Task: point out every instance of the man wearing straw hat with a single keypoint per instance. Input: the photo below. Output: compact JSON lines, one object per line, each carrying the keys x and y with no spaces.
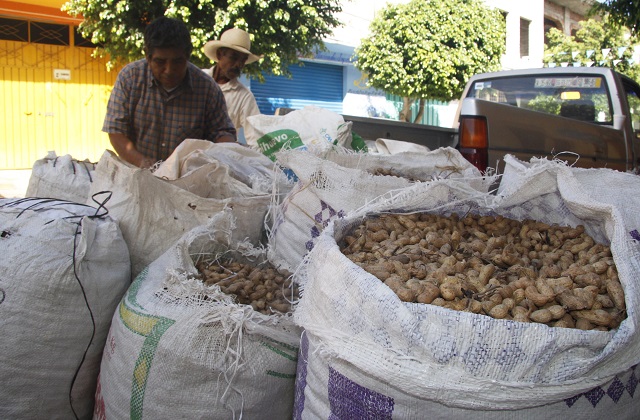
{"x":230,"y":54}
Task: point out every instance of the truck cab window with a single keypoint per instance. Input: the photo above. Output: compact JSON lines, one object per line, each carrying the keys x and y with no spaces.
{"x":573,"y":96}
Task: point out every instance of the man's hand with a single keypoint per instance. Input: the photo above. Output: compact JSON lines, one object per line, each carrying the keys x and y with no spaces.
{"x":147,"y":163}
{"x":128,"y":152}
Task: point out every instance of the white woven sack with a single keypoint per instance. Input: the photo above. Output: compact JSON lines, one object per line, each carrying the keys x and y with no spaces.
{"x":340,"y":382}
{"x":212,"y":180}
{"x":61,"y":177}
{"x":249,"y":172}
{"x":180,"y":349}
{"x":154,"y":213}
{"x":609,"y":186}
{"x":427,"y":354}
{"x":310,"y":126}
{"x":442,"y":163}
{"x":620,"y":190}
{"x":393,"y":147}
{"x":62,"y":272}
{"x":331,"y":186}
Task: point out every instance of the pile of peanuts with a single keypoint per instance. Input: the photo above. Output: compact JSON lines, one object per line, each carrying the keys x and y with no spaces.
{"x":265,"y":288}
{"x":525,"y":271}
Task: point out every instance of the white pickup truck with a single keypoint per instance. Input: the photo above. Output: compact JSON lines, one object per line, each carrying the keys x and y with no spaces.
{"x":587,"y":116}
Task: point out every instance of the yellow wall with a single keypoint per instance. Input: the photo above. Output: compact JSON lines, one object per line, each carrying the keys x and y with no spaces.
{"x":39,"y":113}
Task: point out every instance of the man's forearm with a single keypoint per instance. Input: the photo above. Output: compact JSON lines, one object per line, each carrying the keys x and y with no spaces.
{"x":127,"y":151}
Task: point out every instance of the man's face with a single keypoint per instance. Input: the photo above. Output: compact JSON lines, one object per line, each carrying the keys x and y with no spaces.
{"x":168,"y":65}
{"x":230,"y":62}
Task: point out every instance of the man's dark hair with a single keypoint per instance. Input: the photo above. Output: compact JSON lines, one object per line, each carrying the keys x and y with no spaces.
{"x":165,"y":32}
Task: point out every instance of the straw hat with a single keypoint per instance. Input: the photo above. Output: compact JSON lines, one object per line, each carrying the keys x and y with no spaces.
{"x":234,"y":38}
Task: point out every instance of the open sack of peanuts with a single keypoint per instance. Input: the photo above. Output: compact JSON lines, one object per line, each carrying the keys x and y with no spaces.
{"x":337,"y":182}
{"x":205,"y":331}
{"x":440,"y":301}
{"x":154,"y":212}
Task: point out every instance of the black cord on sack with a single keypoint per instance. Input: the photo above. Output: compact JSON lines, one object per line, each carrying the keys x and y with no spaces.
{"x":43,"y":204}
{"x":101,"y":204}
{"x":37,"y":204}
{"x":98,"y":214}
{"x":89,"y":172}
{"x":93,"y":321}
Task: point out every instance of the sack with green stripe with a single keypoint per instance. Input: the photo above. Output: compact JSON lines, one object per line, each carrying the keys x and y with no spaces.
{"x":180,"y":348}
{"x":309,"y":128}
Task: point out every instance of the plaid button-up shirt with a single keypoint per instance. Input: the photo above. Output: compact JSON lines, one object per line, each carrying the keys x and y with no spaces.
{"x":158,"y":121}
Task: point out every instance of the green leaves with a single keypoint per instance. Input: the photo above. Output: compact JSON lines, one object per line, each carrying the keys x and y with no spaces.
{"x":282,"y":30}
{"x":590,"y":44}
{"x":622,"y":12}
{"x":429,"y":49}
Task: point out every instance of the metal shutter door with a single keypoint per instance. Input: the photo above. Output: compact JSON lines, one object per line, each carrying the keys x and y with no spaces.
{"x":311,"y":84}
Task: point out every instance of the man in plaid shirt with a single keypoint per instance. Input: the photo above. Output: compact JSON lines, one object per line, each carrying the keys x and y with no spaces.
{"x":163,"y":99}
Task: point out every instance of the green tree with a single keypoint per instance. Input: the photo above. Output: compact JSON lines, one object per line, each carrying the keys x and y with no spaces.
{"x":429,"y":49}
{"x":623,"y":12}
{"x":586,"y":47}
{"x":282,"y":31}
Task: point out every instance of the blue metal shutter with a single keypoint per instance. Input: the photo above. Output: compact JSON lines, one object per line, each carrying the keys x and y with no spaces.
{"x":311,"y":84}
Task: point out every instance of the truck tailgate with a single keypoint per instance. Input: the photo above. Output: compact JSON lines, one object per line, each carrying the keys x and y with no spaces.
{"x":525,"y":134}
{"x":430,"y":136}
